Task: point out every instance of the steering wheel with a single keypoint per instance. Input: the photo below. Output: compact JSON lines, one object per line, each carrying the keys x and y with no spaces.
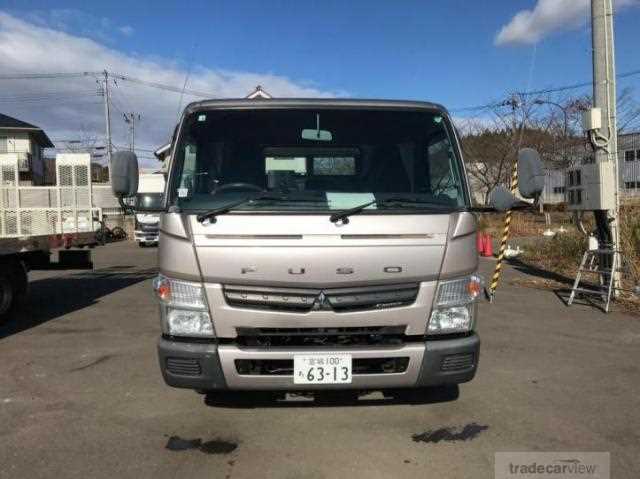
{"x":237,"y":186}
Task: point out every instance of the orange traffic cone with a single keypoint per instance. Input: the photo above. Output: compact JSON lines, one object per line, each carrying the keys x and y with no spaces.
{"x":488,"y":245}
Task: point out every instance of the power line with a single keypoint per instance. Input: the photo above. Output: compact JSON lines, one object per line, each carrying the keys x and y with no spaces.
{"x":544,"y":91}
{"x":39,"y":94}
{"x":163,"y":86}
{"x":122,"y":96}
{"x":38,"y":76}
{"x":203,"y":94}
{"x":144,"y":150}
{"x":51,"y":99}
{"x":130,"y":119}
{"x":116,"y":104}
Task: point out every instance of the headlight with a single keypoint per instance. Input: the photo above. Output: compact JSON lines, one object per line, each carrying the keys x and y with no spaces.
{"x":188,"y":322}
{"x":453,"y":309}
{"x":183,"y":308}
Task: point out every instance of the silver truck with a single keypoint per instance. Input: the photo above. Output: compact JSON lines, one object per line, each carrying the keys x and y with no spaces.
{"x":313,"y":244}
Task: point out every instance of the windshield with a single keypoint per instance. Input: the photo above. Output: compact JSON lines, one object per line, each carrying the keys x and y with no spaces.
{"x":148,"y":200}
{"x":316,"y":160}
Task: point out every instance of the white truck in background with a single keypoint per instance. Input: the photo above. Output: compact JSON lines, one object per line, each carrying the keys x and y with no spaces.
{"x":147,"y":225}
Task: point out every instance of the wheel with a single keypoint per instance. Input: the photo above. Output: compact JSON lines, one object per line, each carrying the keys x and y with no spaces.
{"x":118,"y":233}
{"x":142,"y":244}
{"x":100,"y":239}
{"x":14,"y":287}
{"x":7,"y":295}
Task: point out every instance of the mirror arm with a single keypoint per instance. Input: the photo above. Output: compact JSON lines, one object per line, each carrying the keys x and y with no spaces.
{"x":522,"y":205}
{"x":127,"y":210}
{"x":481,"y":209}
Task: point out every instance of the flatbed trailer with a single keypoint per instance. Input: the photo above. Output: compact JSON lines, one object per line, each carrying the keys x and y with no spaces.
{"x":36,"y":220}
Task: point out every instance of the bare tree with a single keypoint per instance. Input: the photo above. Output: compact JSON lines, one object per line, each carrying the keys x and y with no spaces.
{"x":491,"y":143}
{"x":550,"y":124}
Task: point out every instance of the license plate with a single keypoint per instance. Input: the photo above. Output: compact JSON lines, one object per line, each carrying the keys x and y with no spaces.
{"x":322,"y":369}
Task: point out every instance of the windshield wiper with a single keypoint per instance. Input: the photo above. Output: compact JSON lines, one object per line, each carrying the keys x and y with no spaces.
{"x":211,"y":214}
{"x":344,"y":215}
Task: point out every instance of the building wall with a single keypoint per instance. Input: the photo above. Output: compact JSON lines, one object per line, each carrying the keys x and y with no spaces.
{"x":628,"y":171}
{"x":17,"y":141}
{"x":555,"y":180}
{"x":37,"y":164}
{"x":21,"y":144}
{"x":629,"y":164}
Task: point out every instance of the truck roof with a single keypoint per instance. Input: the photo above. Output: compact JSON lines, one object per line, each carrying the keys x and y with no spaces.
{"x":324,"y":103}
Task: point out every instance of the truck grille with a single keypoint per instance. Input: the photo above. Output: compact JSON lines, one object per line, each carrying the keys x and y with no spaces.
{"x":333,"y":299}
{"x":284,"y":367}
{"x":148,"y":227}
{"x":349,"y":336}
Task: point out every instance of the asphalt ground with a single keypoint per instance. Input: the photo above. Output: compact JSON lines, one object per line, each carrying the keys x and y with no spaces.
{"x":81,"y":394}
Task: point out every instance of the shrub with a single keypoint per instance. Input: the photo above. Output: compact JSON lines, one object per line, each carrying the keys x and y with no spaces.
{"x":562,"y":253}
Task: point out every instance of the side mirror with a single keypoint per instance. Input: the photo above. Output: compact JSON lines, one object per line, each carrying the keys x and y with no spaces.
{"x":501,"y":199}
{"x":530,"y":173}
{"x":124,"y":174}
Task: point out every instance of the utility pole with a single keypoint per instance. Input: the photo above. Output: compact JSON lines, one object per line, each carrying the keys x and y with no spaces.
{"x":107,"y":113}
{"x":605,"y":139}
{"x":130,"y":118}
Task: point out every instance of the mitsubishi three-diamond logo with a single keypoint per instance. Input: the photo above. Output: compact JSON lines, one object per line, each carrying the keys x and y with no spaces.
{"x":321,"y":303}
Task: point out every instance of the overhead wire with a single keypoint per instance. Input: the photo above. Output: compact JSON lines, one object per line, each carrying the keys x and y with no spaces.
{"x":162,"y":86}
{"x":543,"y":91}
{"x":203,"y":94}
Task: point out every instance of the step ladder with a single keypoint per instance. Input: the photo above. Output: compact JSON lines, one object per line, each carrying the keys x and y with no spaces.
{"x":590,"y":264}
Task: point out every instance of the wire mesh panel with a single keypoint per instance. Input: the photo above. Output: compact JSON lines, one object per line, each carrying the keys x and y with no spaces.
{"x":65,"y":175}
{"x":8,"y":198}
{"x":81,"y":175}
{"x":47,"y":210}
{"x":8,"y":222}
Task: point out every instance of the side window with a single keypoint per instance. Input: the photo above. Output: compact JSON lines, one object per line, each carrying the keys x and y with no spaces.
{"x":295,"y":164}
{"x":189,"y":168}
{"x":442,"y":169}
{"x":334,"y":166}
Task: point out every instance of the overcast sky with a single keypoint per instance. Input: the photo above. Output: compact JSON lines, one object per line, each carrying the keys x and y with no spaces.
{"x":458,"y":53}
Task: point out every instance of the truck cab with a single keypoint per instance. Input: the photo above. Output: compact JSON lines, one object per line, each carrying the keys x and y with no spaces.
{"x":316,"y":244}
{"x":147,"y":224}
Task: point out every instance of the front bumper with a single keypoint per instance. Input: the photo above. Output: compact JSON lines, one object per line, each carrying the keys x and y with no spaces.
{"x":146,"y":232}
{"x":209,"y":366}
{"x":146,"y":236}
